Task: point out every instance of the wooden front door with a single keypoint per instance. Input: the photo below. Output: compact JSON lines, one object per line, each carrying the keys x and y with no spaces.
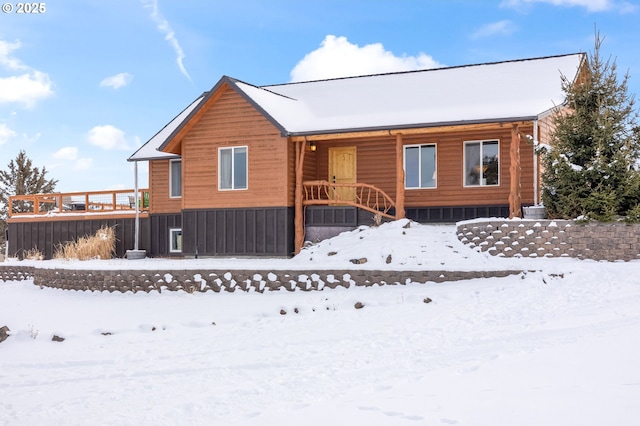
{"x":342,"y":169}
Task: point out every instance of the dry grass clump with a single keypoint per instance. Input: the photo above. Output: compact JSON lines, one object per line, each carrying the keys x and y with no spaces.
{"x":102,"y":245}
{"x":33,"y":254}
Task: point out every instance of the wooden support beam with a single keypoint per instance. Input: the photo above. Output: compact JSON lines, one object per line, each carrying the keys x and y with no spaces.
{"x":414,"y":131}
{"x":515,"y":195}
{"x":298,"y":221}
{"x":400,"y":213}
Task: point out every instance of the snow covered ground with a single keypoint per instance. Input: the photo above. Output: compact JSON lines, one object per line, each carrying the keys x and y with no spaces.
{"x":558,"y":346}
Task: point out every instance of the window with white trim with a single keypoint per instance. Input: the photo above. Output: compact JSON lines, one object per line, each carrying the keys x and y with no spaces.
{"x":232,"y":168}
{"x":175,"y":178}
{"x":420,"y":169}
{"x":175,"y":240}
{"x":482,"y":163}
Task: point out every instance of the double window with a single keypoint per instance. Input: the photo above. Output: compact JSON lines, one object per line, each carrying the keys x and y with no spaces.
{"x":481,"y":163}
{"x":420,"y":166}
{"x":175,"y":178}
{"x":232,"y":168}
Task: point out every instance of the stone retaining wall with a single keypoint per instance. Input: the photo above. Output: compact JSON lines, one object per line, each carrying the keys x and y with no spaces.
{"x":553,"y":238}
{"x":227,"y":280}
{"x":15,"y":272}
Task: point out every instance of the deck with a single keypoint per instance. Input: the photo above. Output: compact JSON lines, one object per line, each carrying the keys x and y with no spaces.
{"x":63,"y":205}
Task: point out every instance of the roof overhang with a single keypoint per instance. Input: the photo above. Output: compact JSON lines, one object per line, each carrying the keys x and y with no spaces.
{"x":424,"y":128}
{"x":150,"y":150}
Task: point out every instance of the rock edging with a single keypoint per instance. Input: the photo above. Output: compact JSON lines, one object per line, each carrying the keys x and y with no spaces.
{"x":203,"y":280}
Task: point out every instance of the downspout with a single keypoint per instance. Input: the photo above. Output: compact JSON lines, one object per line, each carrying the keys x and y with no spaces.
{"x":535,"y":162}
{"x":136,"y":200}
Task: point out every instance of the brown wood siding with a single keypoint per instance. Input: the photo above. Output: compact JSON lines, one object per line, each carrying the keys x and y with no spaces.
{"x":309,"y":172}
{"x":230,"y":122}
{"x":375,"y":161}
{"x":376,"y":166}
{"x":546,"y":127}
{"x":450,"y":189}
{"x":160,"y":202}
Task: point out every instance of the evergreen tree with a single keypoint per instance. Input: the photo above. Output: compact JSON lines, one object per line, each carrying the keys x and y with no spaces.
{"x":21,"y":178}
{"x":591,"y":168}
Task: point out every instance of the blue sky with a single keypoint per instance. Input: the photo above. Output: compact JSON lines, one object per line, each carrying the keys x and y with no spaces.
{"x":85,"y":83}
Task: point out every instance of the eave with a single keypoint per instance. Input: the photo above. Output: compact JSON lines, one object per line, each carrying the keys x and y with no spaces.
{"x":424,"y":128}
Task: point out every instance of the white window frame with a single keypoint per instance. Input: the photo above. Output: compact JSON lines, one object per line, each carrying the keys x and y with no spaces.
{"x":173,"y":249}
{"x":233,"y":165}
{"x":171,"y":163}
{"x":435,"y":171}
{"x":464,"y":163}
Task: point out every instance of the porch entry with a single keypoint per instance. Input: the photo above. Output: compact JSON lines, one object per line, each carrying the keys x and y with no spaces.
{"x":342,"y":169}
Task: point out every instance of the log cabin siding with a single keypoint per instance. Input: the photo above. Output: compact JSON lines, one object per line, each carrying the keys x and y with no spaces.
{"x":375,"y":161}
{"x":546,"y":127}
{"x":309,"y":171}
{"x":450,"y":190}
{"x":160,"y":202}
{"x":376,"y":166}
{"x":231,"y":122}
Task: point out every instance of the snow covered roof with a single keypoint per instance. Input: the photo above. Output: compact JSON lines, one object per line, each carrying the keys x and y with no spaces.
{"x":491,"y":92}
{"x":150,"y":150}
{"x":511,"y":90}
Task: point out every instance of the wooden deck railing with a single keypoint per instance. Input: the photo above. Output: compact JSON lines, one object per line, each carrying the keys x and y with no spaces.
{"x":362,"y":195}
{"x":78,"y":202}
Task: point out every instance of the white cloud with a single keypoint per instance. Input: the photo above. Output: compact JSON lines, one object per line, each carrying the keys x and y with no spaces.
{"x":117,"y":81}
{"x":66,"y":153}
{"x":163,"y":26}
{"x":25,"y":88}
{"x":504,"y":27}
{"x":8,"y":61}
{"x":337,"y":57}
{"x":108,"y":137}
{"x":6,"y":134}
{"x":70,"y":153}
{"x":83,"y":164}
{"x":590,"y":5}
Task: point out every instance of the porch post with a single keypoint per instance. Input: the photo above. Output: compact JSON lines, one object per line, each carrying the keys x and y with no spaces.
{"x":301,"y":147}
{"x":514,"y":174}
{"x":400,"y":213}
